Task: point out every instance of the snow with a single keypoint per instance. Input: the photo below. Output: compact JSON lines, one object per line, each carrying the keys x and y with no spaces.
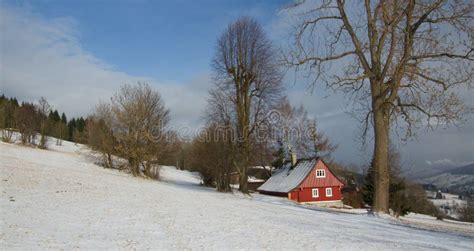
{"x":255,"y":179}
{"x":59,"y":199}
{"x":287,"y":178}
{"x":450,"y":204}
{"x":456,"y":183}
{"x":432,"y":222}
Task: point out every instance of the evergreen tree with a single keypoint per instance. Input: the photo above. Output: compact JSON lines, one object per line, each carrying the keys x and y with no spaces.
{"x":14,"y":101}
{"x":398,"y":201}
{"x":368,"y":189}
{"x":63,"y":118}
{"x":50,"y":115}
{"x":81,"y":124}
{"x":279,"y":155}
{"x":71,"y":127}
{"x":56,"y":117}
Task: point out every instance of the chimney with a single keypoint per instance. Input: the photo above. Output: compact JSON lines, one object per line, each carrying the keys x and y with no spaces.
{"x":293,"y":159}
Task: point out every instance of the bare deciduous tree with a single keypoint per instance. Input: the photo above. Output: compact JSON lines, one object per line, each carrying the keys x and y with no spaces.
{"x":100,"y":134}
{"x":246,"y":75}
{"x":43,"y":109}
{"x":211,"y":155}
{"x":467,"y":212}
{"x":297,"y":130}
{"x":7,"y":112}
{"x":139,"y":121}
{"x":26,"y":121}
{"x":404,"y":59}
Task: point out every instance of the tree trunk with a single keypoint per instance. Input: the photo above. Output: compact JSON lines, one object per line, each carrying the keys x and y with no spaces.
{"x":108,"y":160}
{"x":148,"y":171}
{"x":134,"y":166}
{"x":243,"y":180}
{"x":381,"y":170}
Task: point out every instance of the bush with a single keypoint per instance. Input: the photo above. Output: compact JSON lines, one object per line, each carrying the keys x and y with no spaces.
{"x":408,"y":197}
{"x":467,"y":212}
{"x":211,"y":156}
{"x":353,"y":199}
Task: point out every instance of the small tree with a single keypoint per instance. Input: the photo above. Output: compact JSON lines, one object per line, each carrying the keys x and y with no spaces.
{"x":100,"y":135}
{"x":467,"y":212}
{"x":43,"y":109}
{"x":211,"y":155}
{"x":7,"y":112}
{"x":71,"y":126}
{"x":298,"y":131}
{"x":279,"y":155}
{"x":62,"y":129}
{"x":404,"y":196}
{"x":79,"y":132}
{"x":368,"y":188}
{"x":26,"y":121}
{"x":139,"y":123}
{"x":394,"y":168}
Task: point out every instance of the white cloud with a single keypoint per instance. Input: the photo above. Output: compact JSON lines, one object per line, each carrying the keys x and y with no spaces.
{"x":444,"y":161}
{"x":44,"y":57}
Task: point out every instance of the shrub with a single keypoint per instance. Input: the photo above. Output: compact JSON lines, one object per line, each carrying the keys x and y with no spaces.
{"x":467,"y":212}
{"x":353,"y":199}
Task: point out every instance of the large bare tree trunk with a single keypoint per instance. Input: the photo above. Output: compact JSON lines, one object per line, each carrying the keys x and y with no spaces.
{"x":246,"y":72}
{"x":243,"y":182}
{"x":382,"y":172}
{"x":415,"y":54}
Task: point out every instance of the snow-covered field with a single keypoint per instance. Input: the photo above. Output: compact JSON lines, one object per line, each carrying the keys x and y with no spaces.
{"x":450,"y":204}
{"x":58,"y":199}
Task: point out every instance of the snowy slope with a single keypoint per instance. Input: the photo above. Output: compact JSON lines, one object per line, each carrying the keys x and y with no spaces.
{"x":458,"y":180}
{"x":456,"y":183}
{"x":58,"y":199}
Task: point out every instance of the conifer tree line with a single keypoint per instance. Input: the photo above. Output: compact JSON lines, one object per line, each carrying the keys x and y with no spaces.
{"x":30,"y":119}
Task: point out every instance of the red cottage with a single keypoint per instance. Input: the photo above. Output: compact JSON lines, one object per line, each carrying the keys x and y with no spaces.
{"x":306,"y":181}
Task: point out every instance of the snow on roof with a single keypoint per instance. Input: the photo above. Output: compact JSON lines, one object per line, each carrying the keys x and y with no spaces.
{"x":286,"y":179}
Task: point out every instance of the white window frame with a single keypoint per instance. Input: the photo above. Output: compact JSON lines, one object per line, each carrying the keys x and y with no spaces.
{"x":317,"y":192}
{"x":330,"y":192}
{"x":320,"y":173}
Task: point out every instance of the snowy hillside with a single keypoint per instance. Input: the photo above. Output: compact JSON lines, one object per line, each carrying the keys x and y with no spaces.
{"x":458,"y":180}
{"x":59,"y":199}
{"x":455,"y":183}
{"x":449,"y":204}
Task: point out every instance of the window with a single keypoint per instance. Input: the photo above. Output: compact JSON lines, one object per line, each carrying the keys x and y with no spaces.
{"x":328,"y":192}
{"x":320,"y":173}
{"x":315,"y":193}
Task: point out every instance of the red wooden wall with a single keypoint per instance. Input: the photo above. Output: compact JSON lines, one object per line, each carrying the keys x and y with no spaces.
{"x":306,"y":195}
{"x":304,"y":192}
{"x":328,"y":181}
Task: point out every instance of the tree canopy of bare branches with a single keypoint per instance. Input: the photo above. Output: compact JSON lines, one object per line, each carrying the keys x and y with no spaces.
{"x":405,"y":59}
{"x":139,"y":119}
{"x":296,"y":130}
{"x":43,"y":108}
{"x":100,"y":133}
{"x":247,"y":82}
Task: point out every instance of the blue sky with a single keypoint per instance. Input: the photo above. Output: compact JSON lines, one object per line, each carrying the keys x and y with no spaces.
{"x":167,"y":40}
{"x":76,"y":53}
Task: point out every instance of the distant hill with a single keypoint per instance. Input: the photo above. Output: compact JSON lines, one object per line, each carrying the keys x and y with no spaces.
{"x":468,"y":170}
{"x":458,"y":180}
